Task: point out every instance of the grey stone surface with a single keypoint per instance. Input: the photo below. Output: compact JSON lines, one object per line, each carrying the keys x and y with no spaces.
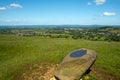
{"x":73,"y":68}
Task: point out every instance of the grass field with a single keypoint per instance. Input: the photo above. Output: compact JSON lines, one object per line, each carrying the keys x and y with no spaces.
{"x":17,"y":52}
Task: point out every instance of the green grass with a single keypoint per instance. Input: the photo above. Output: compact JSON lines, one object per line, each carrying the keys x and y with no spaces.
{"x":16,"y":52}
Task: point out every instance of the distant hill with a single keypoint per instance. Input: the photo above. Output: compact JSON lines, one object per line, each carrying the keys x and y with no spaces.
{"x":52,"y":26}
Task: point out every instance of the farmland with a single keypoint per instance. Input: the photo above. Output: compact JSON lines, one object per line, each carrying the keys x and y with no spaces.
{"x":18,"y":52}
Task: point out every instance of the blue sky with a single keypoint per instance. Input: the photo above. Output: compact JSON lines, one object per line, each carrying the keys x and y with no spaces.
{"x":59,"y":12}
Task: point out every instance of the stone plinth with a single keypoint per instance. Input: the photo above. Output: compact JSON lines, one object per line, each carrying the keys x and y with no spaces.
{"x":75,"y":64}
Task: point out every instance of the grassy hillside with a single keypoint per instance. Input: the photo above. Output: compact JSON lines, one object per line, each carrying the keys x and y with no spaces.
{"x":17,"y":52}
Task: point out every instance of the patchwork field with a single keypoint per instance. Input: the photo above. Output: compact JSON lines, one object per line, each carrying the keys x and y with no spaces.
{"x":18,"y":53}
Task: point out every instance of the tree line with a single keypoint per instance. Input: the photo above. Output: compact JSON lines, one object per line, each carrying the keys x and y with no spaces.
{"x":95,"y":34}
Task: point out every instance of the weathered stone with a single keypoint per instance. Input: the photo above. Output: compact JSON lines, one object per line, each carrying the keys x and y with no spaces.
{"x":75,"y":64}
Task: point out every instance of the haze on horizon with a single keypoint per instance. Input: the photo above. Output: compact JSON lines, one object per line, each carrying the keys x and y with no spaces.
{"x":59,"y":12}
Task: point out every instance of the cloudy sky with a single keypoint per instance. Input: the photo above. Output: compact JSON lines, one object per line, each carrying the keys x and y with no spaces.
{"x":52,"y":12}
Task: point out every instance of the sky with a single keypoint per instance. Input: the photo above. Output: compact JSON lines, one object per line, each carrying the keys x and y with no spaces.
{"x":59,"y":12}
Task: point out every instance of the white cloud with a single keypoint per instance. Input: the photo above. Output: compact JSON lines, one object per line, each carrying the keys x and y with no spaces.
{"x":89,"y":3}
{"x":99,"y":2}
{"x":3,"y":8}
{"x":11,"y":6}
{"x":15,"y":5}
{"x":109,"y":14}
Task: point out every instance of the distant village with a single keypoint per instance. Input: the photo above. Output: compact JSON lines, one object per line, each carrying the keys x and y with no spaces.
{"x":88,"y":33}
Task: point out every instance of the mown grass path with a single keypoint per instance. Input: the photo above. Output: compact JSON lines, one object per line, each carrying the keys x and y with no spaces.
{"x":17,"y":52}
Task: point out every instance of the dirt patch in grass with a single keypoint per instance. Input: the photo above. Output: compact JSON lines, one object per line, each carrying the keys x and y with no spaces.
{"x":44,"y":71}
{"x":101,"y":74}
